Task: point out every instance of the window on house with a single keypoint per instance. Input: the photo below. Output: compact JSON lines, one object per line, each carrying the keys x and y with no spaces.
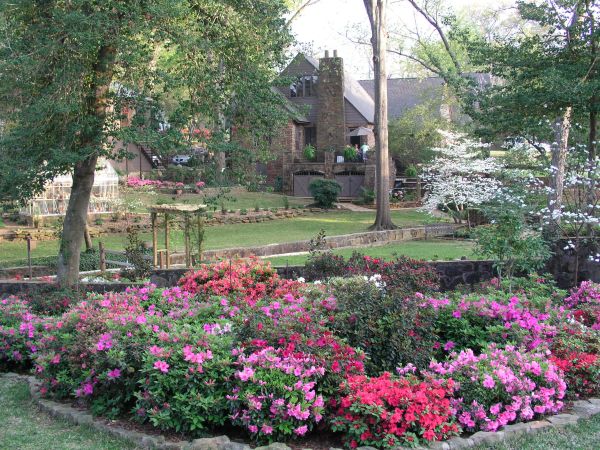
{"x":303,"y":87}
{"x":308,"y":86}
{"x":310,"y":136}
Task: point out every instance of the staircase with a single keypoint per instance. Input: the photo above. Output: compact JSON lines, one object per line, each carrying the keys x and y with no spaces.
{"x":154,"y":159}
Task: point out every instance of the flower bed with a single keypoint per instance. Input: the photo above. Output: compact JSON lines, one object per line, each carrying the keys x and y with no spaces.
{"x":139,"y":183}
{"x":235,"y":345}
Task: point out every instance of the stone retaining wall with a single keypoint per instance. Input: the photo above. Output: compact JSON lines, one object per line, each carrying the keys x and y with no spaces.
{"x":452,"y":273}
{"x":469,"y":272}
{"x":581,"y":409}
{"x":11,"y":287}
{"x":366,"y":239}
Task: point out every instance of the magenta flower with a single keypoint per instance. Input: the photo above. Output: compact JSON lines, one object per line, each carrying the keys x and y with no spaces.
{"x":155,"y":350}
{"x":449,"y":346}
{"x":141,"y":319}
{"x":245,"y":374}
{"x":88,"y":389}
{"x":301,"y":431}
{"x":488,"y":382}
{"x":105,"y":342}
{"x":162,"y":366}
{"x":114,"y":374}
{"x":266,"y":429}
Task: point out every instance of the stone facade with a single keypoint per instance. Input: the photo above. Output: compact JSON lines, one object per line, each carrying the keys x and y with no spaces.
{"x":331,"y":114}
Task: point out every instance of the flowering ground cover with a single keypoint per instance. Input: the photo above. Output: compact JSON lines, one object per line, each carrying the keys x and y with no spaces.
{"x":379,"y":357}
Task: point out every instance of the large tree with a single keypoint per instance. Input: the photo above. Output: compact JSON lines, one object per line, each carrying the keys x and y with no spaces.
{"x":549,"y":82}
{"x":66,"y":69}
{"x":377,"y":12}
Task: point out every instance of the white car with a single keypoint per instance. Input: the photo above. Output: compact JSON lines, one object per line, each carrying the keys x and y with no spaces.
{"x":181,"y":159}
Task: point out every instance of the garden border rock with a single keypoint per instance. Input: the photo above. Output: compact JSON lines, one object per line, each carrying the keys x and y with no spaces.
{"x":582,"y":409}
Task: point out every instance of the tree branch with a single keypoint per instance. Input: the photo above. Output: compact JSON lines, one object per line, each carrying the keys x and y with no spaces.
{"x":435,"y":24}
{"x":401,"y":54}
{"x":300,"y":9}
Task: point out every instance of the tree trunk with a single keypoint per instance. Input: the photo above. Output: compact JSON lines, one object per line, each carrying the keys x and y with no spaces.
{"x":88,"y":237}
{"x":591,"y":200}
{"x":377,"y":12}
{"x":75,"y":223}
{"x":559,"y":157}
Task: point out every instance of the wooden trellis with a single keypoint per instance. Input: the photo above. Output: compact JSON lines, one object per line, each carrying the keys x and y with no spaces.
{"x":191,"y":216}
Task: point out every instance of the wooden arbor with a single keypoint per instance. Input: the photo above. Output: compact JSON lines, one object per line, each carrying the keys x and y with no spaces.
{"x":190,"y":216}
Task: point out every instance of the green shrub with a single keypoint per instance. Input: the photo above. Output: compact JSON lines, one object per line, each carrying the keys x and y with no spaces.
{"x":325,"y":192}
{"x":309,"y":152}
{"x":324,"y":264}
{"x":99,"y":221}
{"x":243,"y":212}
{"x":367,"y":196}
{"x":286,"y":202}
{"x":411,"y":171}
{"x":391,"y":330}
{"x":136,"y":255}
{"x":256,"y":207}
{"x":51,"y":300}
{"x":350,"y":153}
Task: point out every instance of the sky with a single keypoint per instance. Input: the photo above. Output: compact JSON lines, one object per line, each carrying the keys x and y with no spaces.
{"x":324,"y":25}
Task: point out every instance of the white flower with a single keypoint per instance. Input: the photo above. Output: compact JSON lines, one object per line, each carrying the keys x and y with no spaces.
{"x":301,"y":280}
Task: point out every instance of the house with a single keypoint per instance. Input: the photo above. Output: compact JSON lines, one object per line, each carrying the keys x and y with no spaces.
{"x":328,"y":106}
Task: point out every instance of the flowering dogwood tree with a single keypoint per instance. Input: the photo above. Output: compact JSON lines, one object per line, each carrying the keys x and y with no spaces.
{"x":577,"y":218}
{"x":460,"y":178}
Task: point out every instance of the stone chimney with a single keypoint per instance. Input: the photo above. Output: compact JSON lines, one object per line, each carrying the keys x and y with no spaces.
{"x":331,"y":117}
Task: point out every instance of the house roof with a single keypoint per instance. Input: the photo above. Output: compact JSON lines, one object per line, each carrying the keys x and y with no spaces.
{"x":406,"y":93}
{"x":354,"y":93}
{"x":295,"y":114}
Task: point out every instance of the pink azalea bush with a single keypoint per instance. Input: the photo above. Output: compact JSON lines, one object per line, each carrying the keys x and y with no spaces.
{"x":274,"y":393}
{"x":245,"y":281}
{"x":473,"y":322}
{"x":584,"y":301}
{"x":235,"y":345}
{"x":21,"y":333}
{"x":502,"y":386}
{"x":141,"y":349}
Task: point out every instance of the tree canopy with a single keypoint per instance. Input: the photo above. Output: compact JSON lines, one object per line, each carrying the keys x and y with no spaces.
{"x":68,"y":70}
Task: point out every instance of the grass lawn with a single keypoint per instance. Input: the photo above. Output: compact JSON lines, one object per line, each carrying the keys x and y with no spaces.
{"x":435,"y":249}
{"x":583,"y":436}
{"x":139,"y":200}
{"x":25,"y":427}
{"x":244,"y":235}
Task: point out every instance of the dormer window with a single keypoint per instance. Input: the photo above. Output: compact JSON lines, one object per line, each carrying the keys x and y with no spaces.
{"x":304,"y":86}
